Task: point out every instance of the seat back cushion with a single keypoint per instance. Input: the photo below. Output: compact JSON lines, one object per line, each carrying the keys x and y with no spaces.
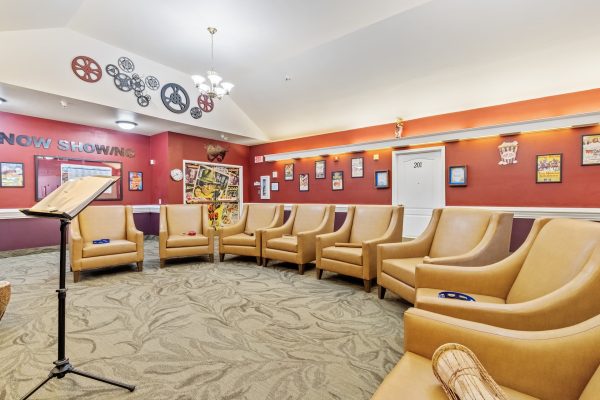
{"x":370,"y":222}
{"x":183,"y":218}
{"x":308,"y":217}
{"x":102,"y":222}
{"x":458,"y":231}
{"x":259,"y":216}
{"x":559,"y":252}
{"x":592,"y":389}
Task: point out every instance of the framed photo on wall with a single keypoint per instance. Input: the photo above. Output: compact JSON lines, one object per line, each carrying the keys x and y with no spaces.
{"x":265,"y":187}
{"x":548,"y":168}
{"x":590,"y":150}
{"x":274,"y":186}
{"x":11,"y":175}
{"x":358,"y":168}
{"x":320,"y":169}
{"x":382,"y":179}
{"x":457,"y":175}
{"x":288,"y":172}
{"x":136,"y":181}
{"x":303,"y":179}
{"x":337,"y":180}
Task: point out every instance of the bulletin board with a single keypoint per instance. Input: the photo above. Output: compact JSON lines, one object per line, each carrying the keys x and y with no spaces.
{"x":219,"y":186}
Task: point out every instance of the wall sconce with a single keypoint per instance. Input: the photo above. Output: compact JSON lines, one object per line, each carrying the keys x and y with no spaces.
{"x":336,"y":159}
{"x":152,"y":162}
{"x":376,"y":157}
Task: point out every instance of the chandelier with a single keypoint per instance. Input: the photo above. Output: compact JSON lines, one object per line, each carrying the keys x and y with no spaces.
{"x":214,"y":87}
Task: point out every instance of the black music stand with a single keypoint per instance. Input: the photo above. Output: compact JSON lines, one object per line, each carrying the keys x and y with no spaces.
{"x":65,"y":203}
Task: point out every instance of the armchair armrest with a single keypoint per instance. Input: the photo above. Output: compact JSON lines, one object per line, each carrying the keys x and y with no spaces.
{"x":307,"y":240}
{"x":75,"y":245}
{"x":163,"y":232}
{"x":279,"y":231}
{"x":233,"y":229}
{"x":342,"y":235}
{"x":133,"y":234}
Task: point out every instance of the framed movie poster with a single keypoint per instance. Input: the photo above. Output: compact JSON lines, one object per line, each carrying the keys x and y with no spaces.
{"x":11,"y":175}
{"x":288,"y":172}
{"x":457,"y":175}
{"x":320,"y":169}
{"x":303,"y":179}
{"x":548,"y":168}
{"x":337,"y":180}
{"x":274,"y":186}
{"x":590,"y":150}
{"x":136,"y":181}
{"x":357,"y":168}
{"x":265,"y":187}
{"x":382,"y":179}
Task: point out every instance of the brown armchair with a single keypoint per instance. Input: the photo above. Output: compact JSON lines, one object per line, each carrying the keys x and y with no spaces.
{"x":178,"y":219}
{"x":551,"y":281}
{"x":455,"y":236}
{"x":554,"y":364}
{"x":104,"y":222}
{"x":245,"y":237}
{"x":352,"y":249}
{"x":295,"y":240}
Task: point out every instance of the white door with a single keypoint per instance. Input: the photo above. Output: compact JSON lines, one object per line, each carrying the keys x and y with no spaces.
{"x":418,"y":183}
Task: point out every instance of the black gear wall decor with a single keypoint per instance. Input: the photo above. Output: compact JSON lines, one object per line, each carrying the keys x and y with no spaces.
{"x":152,"y":83}
{"x":175,"y":98}
{"x":112,"y":70}
{"x":123,"y":82}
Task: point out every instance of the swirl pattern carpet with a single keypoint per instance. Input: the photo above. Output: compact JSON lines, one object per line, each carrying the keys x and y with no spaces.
{"x":197,"y":330}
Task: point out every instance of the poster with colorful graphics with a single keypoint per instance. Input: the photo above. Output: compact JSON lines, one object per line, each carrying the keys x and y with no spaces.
{"x":549,"y":168}
{"x":590,"y":150}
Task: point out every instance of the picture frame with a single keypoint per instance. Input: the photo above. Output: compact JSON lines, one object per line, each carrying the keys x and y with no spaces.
{"x":288,"y":172}
{"x":382,"y":179}
{"x":265,"y":187}
{"x":590,"y":150}
{"x":548,"y":168}
{"x":12,"y":175}
{"x":320,"y":169}
{"x":303,"y":182}
{"x":357,"y":167}
{"x":337,"y":180}
{"x":274,"y":186}
{"x":457,"y":175}
{"x":136,"y":181}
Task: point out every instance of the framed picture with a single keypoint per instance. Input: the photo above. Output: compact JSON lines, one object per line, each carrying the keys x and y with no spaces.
{"x":320,"y":169}
{"x":274,"y":186}
{"x":303,"y":179}
{"x":288,"y":172}
{"x":382,"y":179}
{"x":337,"y":180}
{"x":457,"y":175}
{"x":357,"y":168}
{"x":590,"y":150}
{"x":136,"y":181}
{"x":11,"y":175}
{"x":265,"y":187}
{"x":548,"y":168}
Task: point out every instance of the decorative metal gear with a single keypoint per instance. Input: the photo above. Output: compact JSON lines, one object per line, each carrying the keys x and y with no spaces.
{"x":86,"y":69}
{"x":152,"y":83}
{"x":123,"y":82}
{"x":175,"y":98}
{"x":143,"y":101}
{"x":196,"y":112}
{"x":112,"y":70}
{"x":205,"y":103}
{"x":126,"y":64}
{"x":138,"y":84}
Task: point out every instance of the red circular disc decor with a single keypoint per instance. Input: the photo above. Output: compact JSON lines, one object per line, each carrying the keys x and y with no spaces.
{"x":205,"y":103}
{"x":86,"y":69}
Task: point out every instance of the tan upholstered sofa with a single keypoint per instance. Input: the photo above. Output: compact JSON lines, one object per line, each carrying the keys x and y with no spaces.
{"x":104,"y":222}
{"x":295,"y":240}
{"x":551,"y":281}
{"x":244,"y":238}
{"x":352,"y":249}
{"x":176,"y":220}
{"x":550,"y":365}
{"x":454,"y":236}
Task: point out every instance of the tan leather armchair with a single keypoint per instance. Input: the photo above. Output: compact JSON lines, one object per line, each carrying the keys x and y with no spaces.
{"x":245,"y":237}
{"x":104,"y":222}
{"x":551,"y":281}
{"x":295,"y":240}
{"x":352,"y":249}
{"x":178,"y":219}
{"x":554,"y":364}
{"x":455,"y":236}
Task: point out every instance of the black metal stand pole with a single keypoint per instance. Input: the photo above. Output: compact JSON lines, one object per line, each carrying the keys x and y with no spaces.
{"x":62,"y":366}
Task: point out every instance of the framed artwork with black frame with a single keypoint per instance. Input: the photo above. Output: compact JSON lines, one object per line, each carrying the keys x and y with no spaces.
{"x":12,"y":175}
{"x":357,"y":168}
{"x":288,"y":172}
{"x":457,"y":175}
{"x":303,"y":182}
{"x":590,"y":150}
{"x":320,"y":169}
{"x":136,"y":181}
{"x":548,"y":168}
{"x":382,"y":179}
{"x":337,"y":180}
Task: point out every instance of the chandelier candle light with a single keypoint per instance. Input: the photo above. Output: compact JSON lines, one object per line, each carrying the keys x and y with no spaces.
{"x":215,"y":87}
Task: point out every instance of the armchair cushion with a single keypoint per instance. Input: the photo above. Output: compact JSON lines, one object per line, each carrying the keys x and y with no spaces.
{"x":102,"y":223}
{"x":350,"y":255}
{"x":186,"y":241}
{"x":458,"y":231}
{"x":114,"y":247}
{"x":370,"y":223}
{"x":183,"y":218}
{"x":240,"y":239}
{"x":285,"y":243}
{"x":308,"y":217}
{"x":402,"y":268}
{"x":260,"y":216}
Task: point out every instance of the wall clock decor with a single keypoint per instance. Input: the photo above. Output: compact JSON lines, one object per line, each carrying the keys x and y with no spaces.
{"x":175,"y":98}
{"x":86,"y":69}
{"x":176,"y":174}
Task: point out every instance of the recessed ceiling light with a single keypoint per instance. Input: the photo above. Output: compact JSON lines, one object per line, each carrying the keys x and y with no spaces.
{"x":2,"y":100}
{"x":127,"y":125}
{"x":64,"y":104}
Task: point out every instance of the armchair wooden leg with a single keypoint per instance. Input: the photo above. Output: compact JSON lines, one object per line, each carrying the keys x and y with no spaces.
{"x":258,"y":260}
{"x":367,"y":283}
{"x":301,"y":269}
{"x":140,"y":266}
{"x":221,"y":257}
{"x":319,"y":273}
{"x":265,"y":261}
{"x":162,"y":262}
{"x":211,"y":258}
{"x":76,"y":276}
{"x":380,"y":292}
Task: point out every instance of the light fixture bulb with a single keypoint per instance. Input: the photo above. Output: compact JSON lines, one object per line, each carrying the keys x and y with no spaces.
{"x":127,"y":125}
{"x":204,"y":87}
{"x":220,"y":91}
{"x":198,"y":79}
{"x":227,"y":86}
{"x":214,"y":78}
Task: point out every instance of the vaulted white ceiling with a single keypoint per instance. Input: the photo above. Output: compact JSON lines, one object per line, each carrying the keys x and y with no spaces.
{"x":352,"y":63}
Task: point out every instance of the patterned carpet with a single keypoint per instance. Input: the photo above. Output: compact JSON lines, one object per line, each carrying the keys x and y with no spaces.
{"x":197,"y":330}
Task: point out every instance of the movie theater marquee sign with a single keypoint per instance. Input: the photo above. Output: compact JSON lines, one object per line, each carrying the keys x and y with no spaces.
{"x":40,"y":142}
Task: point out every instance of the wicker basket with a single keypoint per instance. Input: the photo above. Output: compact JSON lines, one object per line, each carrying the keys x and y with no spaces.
{"x":462,"y":376}
{"x":4,"y":296}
